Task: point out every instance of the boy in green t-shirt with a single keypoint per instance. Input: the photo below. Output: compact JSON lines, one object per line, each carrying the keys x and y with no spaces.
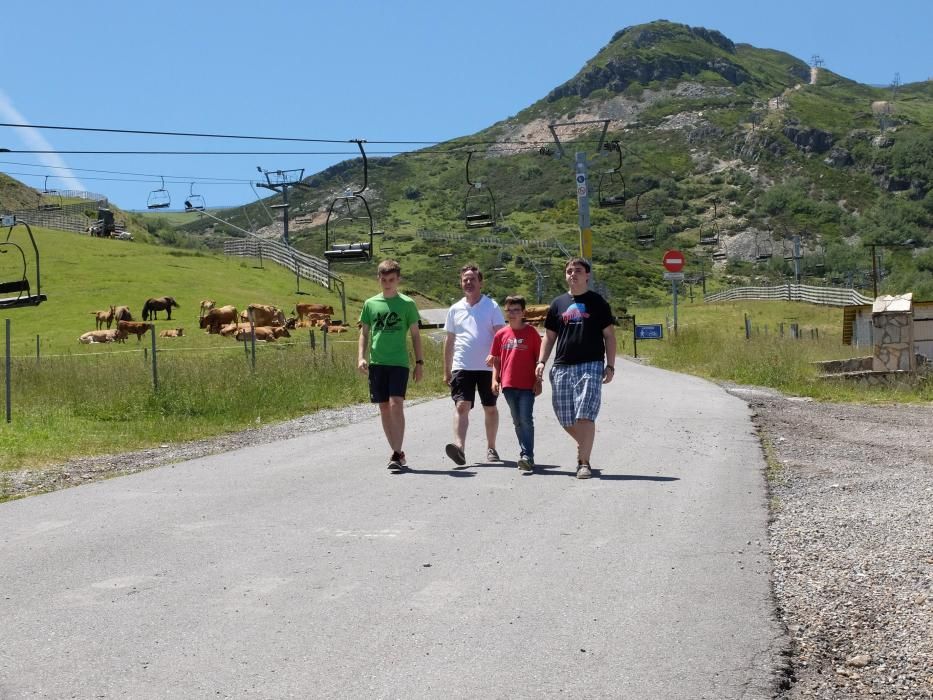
{"x":384,"y":321}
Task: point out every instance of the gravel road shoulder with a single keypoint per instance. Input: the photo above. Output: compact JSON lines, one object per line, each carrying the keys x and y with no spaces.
{"x":851,"y":540}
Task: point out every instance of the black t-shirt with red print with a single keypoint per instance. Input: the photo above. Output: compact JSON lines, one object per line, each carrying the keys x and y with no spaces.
{"x":579,"y":321}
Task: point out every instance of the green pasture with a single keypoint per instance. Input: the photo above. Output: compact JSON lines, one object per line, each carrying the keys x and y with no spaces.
{"x":711,"y":342}
{"x":81,"y":275}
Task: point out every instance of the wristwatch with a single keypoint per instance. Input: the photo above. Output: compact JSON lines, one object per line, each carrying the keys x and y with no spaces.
{"x":419,"y":362}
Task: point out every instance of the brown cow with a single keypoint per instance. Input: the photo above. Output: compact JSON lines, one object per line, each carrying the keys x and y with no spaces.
{"x":134,"y":327}
{"x":263,"y":333}
{"x":263,"y":315}
{"x":122,"y":313}
{"x":233,"y":328}
{"x":302,"y":310}
{"x":102,"y":317}
{"x":172,"y":333}
{"x":101,"y":336}
{"x":335,"y":329}
{"x":215,"y":319}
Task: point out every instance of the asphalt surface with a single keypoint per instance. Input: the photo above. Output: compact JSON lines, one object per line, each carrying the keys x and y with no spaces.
{"x":306,"y":569}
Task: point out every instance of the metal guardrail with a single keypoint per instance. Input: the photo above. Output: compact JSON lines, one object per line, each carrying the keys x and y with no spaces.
{"x":306,"y":266}
{"x":829,"y":296}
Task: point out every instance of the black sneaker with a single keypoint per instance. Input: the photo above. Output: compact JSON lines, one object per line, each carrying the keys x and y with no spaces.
{"x":583,"y":471}
{"x":395,"y":464}
{"x":456,"y":453}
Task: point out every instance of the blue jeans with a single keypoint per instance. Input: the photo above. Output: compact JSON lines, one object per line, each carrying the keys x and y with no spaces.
{"x":521,"y":404}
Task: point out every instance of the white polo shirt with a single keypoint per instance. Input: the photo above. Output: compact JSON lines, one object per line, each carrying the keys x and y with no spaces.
{"x":474,"y":328}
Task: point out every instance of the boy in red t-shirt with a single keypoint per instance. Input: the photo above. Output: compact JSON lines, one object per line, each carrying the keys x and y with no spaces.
{"x":514,"y":354}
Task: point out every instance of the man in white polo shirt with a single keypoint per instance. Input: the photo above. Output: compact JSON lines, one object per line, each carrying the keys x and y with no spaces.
{"x":471,"y":324}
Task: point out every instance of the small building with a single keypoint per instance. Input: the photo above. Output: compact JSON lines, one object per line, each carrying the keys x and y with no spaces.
{"x":897,"y":328}
{"x":432,"y":318}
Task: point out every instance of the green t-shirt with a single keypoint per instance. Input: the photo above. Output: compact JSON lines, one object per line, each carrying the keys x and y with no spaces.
{"x":388,"y":321}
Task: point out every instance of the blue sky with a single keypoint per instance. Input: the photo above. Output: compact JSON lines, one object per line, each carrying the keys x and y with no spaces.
{"x":390,"y":70}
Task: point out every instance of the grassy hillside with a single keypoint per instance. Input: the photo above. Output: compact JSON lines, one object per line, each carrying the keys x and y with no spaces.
{"x":715,"y":137}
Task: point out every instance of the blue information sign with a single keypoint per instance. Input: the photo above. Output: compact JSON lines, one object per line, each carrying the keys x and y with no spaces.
{"x":652,"y":332}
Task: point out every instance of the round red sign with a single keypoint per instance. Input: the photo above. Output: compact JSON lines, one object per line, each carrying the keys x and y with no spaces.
{"x":673,"y":261}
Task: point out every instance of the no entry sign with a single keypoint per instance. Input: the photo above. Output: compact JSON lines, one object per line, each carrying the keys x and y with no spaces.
{"x":673,"y":261}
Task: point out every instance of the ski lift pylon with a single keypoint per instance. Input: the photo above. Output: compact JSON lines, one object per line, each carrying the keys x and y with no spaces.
{"x":479,"y":204}
{"x":160,"y":198}
{"x":341,"y":211}
{"x":19,"y":284}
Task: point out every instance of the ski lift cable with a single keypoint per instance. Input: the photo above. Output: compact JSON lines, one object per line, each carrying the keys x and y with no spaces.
{"x":186,"y":178}
{"x":262,"y":203}
{"x":191,"y":134}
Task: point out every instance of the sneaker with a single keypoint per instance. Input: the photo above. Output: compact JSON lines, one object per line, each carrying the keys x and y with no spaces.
{"x":401,"y":459}
{"x":456,"y":454}
{"x":492,"y":455}
{"x":395,"y":464}
{"x":583,"y":471}
{"x":526,"y":464}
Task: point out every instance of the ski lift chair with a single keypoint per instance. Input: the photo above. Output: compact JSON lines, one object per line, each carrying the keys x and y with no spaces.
{"x":49,"y":200}
{"x":819,"y":259}
{"x":643,"y":235}
{"x":637,"y":214}
{"x":611,"y":187}
{"x":763,"y":249}
{"x":479,"y":204}
{"x":160,"y":198}
{"x":709,"y":235}
{"x":19,"y":285}
{"x":195,"y":202}
{"x":349,"y":210}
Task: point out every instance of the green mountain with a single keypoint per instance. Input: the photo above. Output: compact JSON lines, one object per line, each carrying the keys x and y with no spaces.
{"x":726,"y":151}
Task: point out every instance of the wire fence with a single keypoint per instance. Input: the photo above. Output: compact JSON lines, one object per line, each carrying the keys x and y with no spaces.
{"x":829,"y":296}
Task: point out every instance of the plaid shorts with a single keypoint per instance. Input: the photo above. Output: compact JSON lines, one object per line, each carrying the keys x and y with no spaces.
{"x":576,"y":391}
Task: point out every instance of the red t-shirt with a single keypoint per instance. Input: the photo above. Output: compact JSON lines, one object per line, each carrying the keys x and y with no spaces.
{"x":518,"y":354}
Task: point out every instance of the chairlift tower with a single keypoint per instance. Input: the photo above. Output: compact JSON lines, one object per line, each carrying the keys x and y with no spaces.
{"x":581,"y":167}
{"x":279,"y":181}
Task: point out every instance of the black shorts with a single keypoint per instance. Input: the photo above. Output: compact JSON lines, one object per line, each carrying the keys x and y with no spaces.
{"x":464,"y":383}
{"x":386,"y":381}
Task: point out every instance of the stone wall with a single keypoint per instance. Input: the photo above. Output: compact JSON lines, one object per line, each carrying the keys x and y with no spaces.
{"x":893,"y":341}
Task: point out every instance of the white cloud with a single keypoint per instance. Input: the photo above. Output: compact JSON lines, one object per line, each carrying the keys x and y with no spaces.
{"x":35,"y":141}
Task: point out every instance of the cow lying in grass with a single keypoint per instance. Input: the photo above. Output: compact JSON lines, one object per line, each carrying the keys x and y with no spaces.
{"x":263,"y":333}
{"x":135,"y":327}
{"x":109,"y":336}
{"x":172,"y":333}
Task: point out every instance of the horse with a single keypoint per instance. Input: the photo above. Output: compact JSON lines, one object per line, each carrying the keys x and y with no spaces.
{"x":152,"y":306}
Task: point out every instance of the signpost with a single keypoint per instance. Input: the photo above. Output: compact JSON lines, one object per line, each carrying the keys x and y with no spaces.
{"x":673,"y":262}
{"x":654,"y":331}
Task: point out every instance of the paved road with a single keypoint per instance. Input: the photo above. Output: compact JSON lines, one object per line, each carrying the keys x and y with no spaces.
{"x":305,"y":569}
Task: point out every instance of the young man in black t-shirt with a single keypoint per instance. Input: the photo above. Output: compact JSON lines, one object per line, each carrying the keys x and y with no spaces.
{"x":580,"y":324}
